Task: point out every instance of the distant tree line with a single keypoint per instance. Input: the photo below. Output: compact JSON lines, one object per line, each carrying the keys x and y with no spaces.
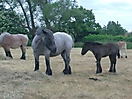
{"x":25,"y":16}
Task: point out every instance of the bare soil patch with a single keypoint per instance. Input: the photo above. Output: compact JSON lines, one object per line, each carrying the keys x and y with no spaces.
{"x":19,"y":81}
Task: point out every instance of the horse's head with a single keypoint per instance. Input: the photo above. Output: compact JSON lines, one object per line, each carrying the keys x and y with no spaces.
{"x":85,"y":48}
{"x":47,"y":36}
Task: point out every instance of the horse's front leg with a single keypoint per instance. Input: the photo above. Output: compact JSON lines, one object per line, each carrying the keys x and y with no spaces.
{"x":48,"y":70}
{"x":66,"y":58}
{"x":113,"y":63}
{"x":8,"y":53}
{"x":36,"y":62}
{"x":99,"y":68}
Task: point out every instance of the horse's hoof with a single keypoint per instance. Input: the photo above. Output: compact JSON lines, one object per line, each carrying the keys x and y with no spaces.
{"x":110,"y":70}
{"x":67,"y":71}
{"x":36,"y":69}
{"x":49,"y":72}
{"x":24,"y":58}
{"x":100,"y":71}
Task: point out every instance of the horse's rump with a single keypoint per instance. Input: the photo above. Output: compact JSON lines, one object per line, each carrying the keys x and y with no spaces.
{"x":66,"y":38}
{"x":122,"y":44}
{"x":63,"y":42}
{"x":123,"y":48}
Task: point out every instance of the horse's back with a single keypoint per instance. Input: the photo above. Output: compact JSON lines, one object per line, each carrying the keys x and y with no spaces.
{"x":24,"y":37}
{"x":63,"y":41}
{"x":63,"y":38}
{"x":14,"y":40}
{"x":114,"y":48}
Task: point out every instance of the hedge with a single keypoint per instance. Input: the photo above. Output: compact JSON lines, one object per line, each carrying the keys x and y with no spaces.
{"x":105,"y":39}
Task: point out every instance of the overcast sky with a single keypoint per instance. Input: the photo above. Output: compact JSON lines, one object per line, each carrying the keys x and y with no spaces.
{"x":110,"y":10}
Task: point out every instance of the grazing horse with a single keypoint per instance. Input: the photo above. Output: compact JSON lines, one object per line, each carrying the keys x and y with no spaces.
{"x":13,"y":41}
{"x":52,"y":44}
{"x":123,"y":48}
{"x":102,"y":50}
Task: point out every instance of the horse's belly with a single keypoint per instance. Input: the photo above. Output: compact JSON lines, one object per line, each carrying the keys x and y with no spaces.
{"x":54,"y":54}
{"x":15,"y":45}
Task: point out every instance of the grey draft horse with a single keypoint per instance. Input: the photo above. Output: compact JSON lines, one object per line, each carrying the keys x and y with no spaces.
{"x":52,"y":44}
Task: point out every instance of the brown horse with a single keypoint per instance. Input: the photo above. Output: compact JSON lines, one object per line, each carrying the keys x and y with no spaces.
{"x":13,"y":41}
{"x":123,"y":48}
{"x":102,"y":50}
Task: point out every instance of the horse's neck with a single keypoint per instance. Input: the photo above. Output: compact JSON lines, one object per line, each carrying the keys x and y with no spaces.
{"x":37,"y":41}
{"x":94,"y":48}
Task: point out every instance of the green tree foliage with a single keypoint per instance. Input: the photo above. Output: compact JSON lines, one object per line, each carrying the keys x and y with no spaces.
{"x":113,"y":28}
{"x":72,"y":19}
{"x":59,"y":15}
{"x":10,"y":22}
{"x":83,"y":23}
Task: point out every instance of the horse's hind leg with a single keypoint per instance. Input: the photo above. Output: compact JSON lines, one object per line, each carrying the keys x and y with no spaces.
{"x":66,"y":58}
{"x":125,"y":50}
{"x":23,"y":49}
{"x":6,"y":52}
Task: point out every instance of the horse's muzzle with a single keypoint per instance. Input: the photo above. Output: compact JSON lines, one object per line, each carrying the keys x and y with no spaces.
{"x":53,"y":50}
{"x":82,"y":53}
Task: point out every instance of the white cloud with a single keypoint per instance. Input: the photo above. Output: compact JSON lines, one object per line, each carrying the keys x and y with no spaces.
{"x":110,"y":10}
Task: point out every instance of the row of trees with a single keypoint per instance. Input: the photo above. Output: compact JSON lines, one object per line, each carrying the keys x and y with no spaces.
{"x":25,"y":16}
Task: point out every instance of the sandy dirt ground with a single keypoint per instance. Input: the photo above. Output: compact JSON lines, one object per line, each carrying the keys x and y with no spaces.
{"x":19,"y":81}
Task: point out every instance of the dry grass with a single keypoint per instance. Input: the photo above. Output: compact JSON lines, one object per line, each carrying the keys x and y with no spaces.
{"x":19,"y":81}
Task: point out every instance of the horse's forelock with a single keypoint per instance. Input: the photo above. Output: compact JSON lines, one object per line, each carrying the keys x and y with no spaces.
{"x":43,"y":30}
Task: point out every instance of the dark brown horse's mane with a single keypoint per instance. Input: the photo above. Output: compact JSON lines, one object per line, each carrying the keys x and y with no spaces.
{"x":94,"y":43}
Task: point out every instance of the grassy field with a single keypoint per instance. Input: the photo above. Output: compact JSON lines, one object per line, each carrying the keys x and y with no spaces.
{"x":19,"y":81}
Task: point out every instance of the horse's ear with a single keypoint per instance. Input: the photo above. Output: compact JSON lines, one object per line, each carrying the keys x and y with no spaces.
{"x":44,"y":32}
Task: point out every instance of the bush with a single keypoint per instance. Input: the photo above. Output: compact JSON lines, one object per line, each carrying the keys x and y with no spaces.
{"x":78,"y":44}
